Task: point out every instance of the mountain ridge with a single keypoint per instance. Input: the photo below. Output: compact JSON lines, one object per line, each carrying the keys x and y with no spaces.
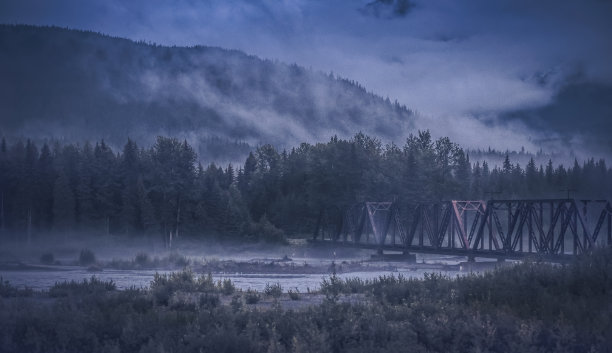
{"x":76,"y":84}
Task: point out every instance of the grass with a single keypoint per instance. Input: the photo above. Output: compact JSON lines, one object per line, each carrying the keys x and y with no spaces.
{"x":9,"y":291}
{"x":532,"y":307}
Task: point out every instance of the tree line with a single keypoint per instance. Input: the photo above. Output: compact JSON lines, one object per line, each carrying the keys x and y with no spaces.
{"x":163,"y":190}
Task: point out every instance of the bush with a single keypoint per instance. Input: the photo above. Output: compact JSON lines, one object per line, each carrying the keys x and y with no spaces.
{"x":142,"y":259}
{"x":273,"y":290}
{"x":251,"y":297}
{"x":86,"y":257}
{"x":7,"y":290}
{"x":86,"y":287}
{"x":266,"y":231}
{"x":227,"y":287}
{"x":179,"y":260}
{"x":209,"y":300}
{"x":164,"y":285}
{"x":332,"y":287}
{"x":47,"y":258}
{"x":294,"y":295}
{"x":236,"y":302}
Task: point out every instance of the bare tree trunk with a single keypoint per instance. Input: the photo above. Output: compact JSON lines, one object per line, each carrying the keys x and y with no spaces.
{"x":29,"y":229}
{"x":178,"y":216}
{"x":164,"y":232}
{"x":2,"y":224}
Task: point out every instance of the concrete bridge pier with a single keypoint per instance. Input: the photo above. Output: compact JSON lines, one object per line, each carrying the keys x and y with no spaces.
{"x":405,"y":256}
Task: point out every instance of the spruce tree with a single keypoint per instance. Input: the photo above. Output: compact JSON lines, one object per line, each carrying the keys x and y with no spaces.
{"x":63,"y":204}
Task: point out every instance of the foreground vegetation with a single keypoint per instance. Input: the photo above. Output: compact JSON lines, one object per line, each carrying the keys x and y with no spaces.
{"x":532,"y":307}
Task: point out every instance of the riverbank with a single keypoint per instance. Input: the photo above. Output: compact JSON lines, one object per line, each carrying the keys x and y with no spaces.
{"x":296,"y":264}
{"x":530,"y":307}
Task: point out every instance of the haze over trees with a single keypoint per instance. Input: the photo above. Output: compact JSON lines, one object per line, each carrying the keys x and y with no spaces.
{"x":77,"y":85}
{"x":69,"y":188}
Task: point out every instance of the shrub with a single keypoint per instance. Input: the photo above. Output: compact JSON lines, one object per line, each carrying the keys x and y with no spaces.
{"x":266,"y":231}
{"x":164,"y":285}
{"x":47,"y":258}
{"x":86,"y":287}
{"x":273,"y":290}
{"x":179,"y":260}
{"x":354,"y":285}
{"x":294,"y":295}
{"x":86,"y":257}
{"x":332,"y":287}
{"x":227,"y":287}
{"x":142,"y":304}
{"x":251,"y":297}
{"x":7,"y":290}
{"x":209,"y":300}
{"x":142,"y":259}
{"x":182,"y":302}
{"x":236,"y":302}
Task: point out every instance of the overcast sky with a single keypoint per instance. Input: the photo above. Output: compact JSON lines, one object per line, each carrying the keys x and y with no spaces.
{"x":460,"y":64}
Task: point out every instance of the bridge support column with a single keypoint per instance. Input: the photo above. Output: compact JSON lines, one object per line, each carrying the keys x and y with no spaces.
{"x":405,"y":256}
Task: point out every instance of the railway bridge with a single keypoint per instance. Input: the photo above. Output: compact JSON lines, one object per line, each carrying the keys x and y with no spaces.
{"x":556,"y":229}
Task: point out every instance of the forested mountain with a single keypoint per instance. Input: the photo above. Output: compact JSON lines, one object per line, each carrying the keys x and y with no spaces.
{"x":77,"y":85}
{"x":162,"y":189}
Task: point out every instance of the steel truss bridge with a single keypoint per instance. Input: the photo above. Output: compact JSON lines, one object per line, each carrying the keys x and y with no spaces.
{"x":552,"y":228}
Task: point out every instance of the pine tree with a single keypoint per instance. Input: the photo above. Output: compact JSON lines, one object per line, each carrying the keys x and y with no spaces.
{"x":531,"y":178}
{"x":86,"y":212}
{"x":229,"y":176}
{"x":463,"y":173}
{"x":129,"y":168}
{"x":63,"y":204}
{"x":44,"y":200}
{"x":4,"y":183}
{"x":146,"y":213}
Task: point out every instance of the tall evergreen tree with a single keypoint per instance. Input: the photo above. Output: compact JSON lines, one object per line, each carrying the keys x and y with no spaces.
{"x":63,"y":204}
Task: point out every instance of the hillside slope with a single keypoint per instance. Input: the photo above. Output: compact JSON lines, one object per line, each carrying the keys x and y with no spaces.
{"x":80,"y":85}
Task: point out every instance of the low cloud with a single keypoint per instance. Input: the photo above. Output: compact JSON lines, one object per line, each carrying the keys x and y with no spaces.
{"x":387,"y":8}
{"x":448,"y":60}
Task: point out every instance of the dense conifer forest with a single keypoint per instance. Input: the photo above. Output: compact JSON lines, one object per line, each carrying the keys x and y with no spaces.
{"x":163,"y":189}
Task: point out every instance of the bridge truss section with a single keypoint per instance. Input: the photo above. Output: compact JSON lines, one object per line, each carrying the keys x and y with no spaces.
{"x":499,"y":227}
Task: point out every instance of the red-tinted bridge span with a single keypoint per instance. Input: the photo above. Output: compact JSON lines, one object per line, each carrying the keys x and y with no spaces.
{"x":553,"y":228}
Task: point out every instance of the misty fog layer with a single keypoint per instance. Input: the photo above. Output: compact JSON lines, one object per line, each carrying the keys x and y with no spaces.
{"x":465,"y":67}
{"x":81,"y":85}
